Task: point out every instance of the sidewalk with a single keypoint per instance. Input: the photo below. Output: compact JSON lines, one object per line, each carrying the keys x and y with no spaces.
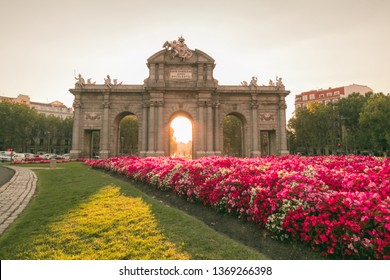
{"x":15,"y":195}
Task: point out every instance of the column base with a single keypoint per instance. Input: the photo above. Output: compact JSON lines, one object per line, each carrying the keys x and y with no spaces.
{"x":150,"y":154}
{"x":255,"y":154}
{"x":104,"y":154}
{"x":200,"y":154}
{"x":75,"y":154}
{"x":160,"y":154}
{"x":143,"y":154}
{"x":284,"y":152}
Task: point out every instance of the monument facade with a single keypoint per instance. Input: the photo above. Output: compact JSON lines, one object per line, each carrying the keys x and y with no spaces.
{"x":180,"y":83}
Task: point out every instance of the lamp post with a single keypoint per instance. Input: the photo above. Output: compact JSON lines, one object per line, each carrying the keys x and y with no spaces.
{"x":48,"y":142}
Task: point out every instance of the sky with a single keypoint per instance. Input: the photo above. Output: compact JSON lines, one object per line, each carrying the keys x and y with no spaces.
{"x":310,"y":44}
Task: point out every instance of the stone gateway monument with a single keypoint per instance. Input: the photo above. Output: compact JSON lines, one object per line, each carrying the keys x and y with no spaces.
{"x":180,"y":83}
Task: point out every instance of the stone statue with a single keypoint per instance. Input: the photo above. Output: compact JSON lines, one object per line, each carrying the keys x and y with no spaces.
{"x":254,"y":81}
{"x":244,"y":83}
{"x":178,"y":48}
{"x":116,"y":82}
{"x":271,"y":83}
{"x":80,"y":81}
{"x":89,"y":82}
{"x":107,"y":81}
{"x":279,"y":83}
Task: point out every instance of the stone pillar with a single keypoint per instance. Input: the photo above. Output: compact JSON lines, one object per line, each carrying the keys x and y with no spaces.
{"x":200,"y":130}
{"x":105,"y":135}
{"x":144,"y":132}
{"x":152,"y":72}
{"x":160,"y":129}
{"x":152,"y":131}
{"x":209,"y":129}
{"x":75,"y":152}
{"x":254,"y":130}
{"x":282,"y":127}
{"x":217,"y":132}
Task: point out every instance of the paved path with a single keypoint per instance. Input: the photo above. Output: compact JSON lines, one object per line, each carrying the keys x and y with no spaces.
{"x":15,"y":195}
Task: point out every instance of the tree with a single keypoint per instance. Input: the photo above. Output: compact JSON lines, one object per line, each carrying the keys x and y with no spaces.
{"x":349,"y":109}
{"x":375,"y":121}
{"x":24,"y":129}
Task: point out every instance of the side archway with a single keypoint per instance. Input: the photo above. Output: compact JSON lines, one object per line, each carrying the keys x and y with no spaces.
{"x":126,"y":134}
{"x":233,"y":135}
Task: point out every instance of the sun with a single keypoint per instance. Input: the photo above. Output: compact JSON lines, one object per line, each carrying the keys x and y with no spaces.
{"x":182,"y":130}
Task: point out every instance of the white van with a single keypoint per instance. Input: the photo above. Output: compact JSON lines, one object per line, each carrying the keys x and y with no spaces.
{"x":18,"y":156}
{"x":6,"y":156}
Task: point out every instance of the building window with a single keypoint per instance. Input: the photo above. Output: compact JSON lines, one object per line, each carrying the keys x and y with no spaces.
{"x":322,"y":95}
{"x":335,"y":100}
{"x":336,"y":93}
{"x":304,"y":97}
{"x":328,"y":101}
{"x":312,"y":96}
{"x":328,"y":94}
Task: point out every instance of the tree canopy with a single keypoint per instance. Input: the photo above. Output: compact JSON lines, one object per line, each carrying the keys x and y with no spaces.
{"x":356,"y":124}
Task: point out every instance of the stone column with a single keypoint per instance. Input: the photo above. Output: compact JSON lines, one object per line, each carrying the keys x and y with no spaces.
{"x":144,"y":132}
{"x":254,"y":131}
{"x":105,"y":135}
{"x":217,"y":132}
{"x":152,"y":131}
{"x":209,"y":129}
{"x":152,"y":72}
{"x":160,"y":129}
{"x":200,"y":130}
{"x":75,"y":151}
{"x":282,"y":127}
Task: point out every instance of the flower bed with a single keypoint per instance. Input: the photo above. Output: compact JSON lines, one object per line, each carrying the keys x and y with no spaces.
{"x":340,"y":206}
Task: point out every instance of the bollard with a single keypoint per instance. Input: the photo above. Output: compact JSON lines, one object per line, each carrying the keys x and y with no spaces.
{"x":53,"y":163}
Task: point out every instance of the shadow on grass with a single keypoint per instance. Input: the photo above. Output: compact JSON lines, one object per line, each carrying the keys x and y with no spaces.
{"x":240,"y":231}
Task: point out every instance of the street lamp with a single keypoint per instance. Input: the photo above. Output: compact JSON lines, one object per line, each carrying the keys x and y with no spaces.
{"x":48,"y":142}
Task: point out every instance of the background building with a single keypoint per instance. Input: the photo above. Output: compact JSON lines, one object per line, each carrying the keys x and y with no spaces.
{"x":55,"y":108}
{"x":51,"y":132}
{"x":326,"y":96}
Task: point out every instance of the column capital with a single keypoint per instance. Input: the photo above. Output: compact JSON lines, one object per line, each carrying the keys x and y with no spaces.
{"x":254,"y":104}
{"x":106,"y":104}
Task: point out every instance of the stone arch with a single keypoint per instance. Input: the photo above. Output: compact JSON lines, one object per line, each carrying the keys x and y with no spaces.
{"x":116,"y":131}
{"x":241,"y":134}
{"x":174,"y":115}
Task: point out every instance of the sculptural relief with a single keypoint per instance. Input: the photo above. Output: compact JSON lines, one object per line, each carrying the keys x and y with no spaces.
{"x":94,"y":116}
{"x":178,"y":48}
{"x":267,"y":117}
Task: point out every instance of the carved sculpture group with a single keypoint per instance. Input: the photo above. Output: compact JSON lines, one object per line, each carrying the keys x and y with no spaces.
{"x":253,"y":83}
{"x":107,"y":81}
{"x":178,"y":48}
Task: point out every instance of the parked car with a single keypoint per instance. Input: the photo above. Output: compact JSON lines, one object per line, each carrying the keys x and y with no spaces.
{"x":6,"y":156}
{"x":18,"y":156}
{"x":66,"y":156}
{"x":49,"y":156}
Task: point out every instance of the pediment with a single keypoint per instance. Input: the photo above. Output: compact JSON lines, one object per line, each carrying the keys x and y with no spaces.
{"x":167,"y":56}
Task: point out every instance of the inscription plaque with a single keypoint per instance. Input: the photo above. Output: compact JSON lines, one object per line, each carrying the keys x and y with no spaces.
{"x":183,"y":74}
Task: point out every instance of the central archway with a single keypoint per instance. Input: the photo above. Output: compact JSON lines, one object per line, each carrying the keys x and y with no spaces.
{"x":180,"y":137}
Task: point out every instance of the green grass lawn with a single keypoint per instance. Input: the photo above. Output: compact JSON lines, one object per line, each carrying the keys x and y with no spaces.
{"x":80,"y":213}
